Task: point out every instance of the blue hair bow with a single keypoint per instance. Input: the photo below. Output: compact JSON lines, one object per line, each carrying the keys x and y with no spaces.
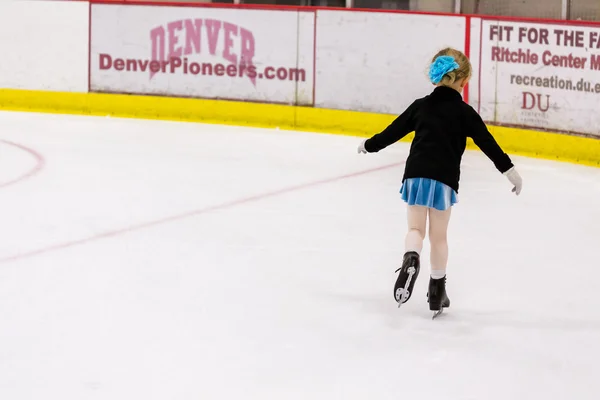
{"x":440,"y":67}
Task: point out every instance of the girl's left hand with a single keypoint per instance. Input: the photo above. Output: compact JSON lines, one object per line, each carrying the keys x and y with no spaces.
{"x":361,"y":147}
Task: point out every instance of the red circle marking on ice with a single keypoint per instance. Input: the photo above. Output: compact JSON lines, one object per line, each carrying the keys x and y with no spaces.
{"x":39,"y":164}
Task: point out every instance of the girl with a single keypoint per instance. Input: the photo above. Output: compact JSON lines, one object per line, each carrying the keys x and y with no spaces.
{"x":442,"y":121}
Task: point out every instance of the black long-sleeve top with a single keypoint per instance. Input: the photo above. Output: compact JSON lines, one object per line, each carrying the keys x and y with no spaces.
{"x":442,"y":121}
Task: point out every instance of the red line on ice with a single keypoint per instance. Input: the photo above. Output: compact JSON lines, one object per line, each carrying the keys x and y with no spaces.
{"x":189,"y":214}
{"x":39,"y":164}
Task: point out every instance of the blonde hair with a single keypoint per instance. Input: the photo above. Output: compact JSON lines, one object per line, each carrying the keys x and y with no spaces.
{"x":463,"y":71}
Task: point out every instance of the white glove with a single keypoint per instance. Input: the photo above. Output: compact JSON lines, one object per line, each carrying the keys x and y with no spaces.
{"x":514,"y":178}
{"x":361,"y":147}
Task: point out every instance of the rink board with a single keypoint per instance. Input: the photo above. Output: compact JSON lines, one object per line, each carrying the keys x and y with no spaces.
{"x":215,"y":53}
{"x":516,"y":141}
{"x":97,"y":58}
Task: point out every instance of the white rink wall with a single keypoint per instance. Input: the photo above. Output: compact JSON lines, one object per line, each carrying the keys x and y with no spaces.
{"x":44,"y":45}
{"x":542,"y":74}
{"x":378,"y":61}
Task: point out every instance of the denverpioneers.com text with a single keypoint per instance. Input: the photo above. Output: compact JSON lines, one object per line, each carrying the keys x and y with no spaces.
{"x":184,"y":66}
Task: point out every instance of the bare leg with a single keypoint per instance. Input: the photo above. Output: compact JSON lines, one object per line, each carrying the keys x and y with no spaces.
{"x":438,"y":237}
{"x":417,"y":224}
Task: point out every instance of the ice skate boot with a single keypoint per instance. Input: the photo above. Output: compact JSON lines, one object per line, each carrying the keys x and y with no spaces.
{"x":406,"y":279}
{"x":437,"y":296}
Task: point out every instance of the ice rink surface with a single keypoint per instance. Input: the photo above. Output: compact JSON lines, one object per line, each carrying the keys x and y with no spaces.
{"x":169,"y":261}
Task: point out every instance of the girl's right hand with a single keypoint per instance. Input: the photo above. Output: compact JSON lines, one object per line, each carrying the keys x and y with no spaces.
{"x":514,"y":178}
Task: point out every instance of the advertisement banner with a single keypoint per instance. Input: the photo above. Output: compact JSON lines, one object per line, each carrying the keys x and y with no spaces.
{"x":541,"y":75}
{"x":237,"y":54}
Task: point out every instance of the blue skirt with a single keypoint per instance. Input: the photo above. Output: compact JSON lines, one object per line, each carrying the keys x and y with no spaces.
{"x":428,"y":193}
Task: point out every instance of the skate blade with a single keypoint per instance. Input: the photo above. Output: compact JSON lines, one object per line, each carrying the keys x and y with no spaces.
{"x":437,"y":313}
{"x":404,"y":292}
{"x":403,"y":296}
